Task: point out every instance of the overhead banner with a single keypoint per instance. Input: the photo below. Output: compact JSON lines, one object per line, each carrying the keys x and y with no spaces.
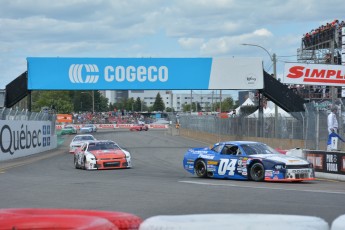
{"x":46,"y":73}
{"x":314,"y":74}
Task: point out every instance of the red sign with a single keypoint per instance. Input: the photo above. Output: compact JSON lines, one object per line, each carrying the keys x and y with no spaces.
{"x":314,"y":74}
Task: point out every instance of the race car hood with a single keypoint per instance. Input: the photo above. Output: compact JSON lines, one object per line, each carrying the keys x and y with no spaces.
{"x":288,"y":160}
{"x":117,"y":154}
{"x":77,"y":143}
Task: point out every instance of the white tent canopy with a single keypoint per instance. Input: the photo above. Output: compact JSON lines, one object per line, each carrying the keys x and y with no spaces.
{"x":245,"y":103}
{"x":268,"y":112}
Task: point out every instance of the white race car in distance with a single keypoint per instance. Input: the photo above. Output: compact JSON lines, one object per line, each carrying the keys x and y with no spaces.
{"x":78,"y":140}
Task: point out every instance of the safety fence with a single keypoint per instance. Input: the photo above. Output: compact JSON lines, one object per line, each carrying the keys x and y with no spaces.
{"x":311,"y":127}
{"x":25,"y":114}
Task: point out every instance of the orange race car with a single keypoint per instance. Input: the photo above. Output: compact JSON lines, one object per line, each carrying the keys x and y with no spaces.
{"x":103,"y":154}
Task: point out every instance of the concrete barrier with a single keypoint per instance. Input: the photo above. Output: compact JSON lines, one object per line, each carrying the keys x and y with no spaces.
{"x":338,"y":223}
{"x":234,"y":221}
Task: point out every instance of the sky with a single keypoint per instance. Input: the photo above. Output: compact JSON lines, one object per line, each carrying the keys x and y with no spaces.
{"x":157,"y":28}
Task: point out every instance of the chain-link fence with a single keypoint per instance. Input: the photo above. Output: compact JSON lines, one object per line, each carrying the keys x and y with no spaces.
{"x":21,"y":115}
{"x":311,"y":127}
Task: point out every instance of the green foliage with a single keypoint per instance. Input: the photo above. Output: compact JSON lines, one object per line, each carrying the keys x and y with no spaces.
{"x":59,"y":101}
{"x":228,"y":104}
{"x":69,"y":101}
{"x":130,"y":104}
{"x":137,"y":105}
{"x":82,"y":101}
{"x":158,"y":105}
{"x":168,"y":109}
{"x":247,"y":109}
{"x":186,"y":108}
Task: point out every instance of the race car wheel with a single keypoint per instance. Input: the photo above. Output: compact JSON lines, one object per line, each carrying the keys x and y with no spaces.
{"x":200,"y":168}
{"x":76,"y":163}
{"x":257,"y":172}
{"x":84,"y":167}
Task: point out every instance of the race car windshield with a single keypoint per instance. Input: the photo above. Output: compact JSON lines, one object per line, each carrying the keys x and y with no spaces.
{"x":103,"y":146}
{"x":253,"y":149}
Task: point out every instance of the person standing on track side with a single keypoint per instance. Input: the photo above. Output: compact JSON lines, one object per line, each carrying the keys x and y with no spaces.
{"x":332,"y":122}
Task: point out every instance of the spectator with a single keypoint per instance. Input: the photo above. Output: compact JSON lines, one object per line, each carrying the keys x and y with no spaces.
{"x":332,"y":121}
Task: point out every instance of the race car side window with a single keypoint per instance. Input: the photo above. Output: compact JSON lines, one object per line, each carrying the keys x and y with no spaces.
{"x":217,"y":148}
{"x":225,"y":150}
{"x":233,"y":150}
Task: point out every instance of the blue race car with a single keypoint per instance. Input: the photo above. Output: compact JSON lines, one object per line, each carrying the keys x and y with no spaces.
{"x":245,"y":160}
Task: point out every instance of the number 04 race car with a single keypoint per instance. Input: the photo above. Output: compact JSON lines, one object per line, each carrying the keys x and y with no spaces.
{"x":101,"y":155}
{"x":244,"y":160}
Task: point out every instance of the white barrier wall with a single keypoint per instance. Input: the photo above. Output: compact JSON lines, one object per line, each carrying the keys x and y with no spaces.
{"x":23,"y":138}
{"x":234,"y":221}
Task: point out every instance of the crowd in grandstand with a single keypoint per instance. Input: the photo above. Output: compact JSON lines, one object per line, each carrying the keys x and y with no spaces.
{"x":314,"y":91}
{"x":324,"y":33}
{"x":110,"y":118}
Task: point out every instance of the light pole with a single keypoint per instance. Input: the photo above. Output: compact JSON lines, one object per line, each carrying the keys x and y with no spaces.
{"x":92,"y":94}
{"x":273,"y":58}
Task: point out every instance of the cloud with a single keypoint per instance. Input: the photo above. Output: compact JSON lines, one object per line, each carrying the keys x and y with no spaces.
{"x":141,"y":28}
{"x":190,"y":43}
{"x":225,"y":45}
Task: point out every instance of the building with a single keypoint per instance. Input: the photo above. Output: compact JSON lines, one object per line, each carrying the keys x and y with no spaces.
{"x":172,"y":99}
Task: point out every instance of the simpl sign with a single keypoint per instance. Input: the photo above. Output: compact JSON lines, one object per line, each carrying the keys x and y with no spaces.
{"x":144,"y":73}
{"x":314,"y":74}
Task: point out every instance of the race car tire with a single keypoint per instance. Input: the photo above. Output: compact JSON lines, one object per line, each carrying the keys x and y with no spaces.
{"x":83,"y":166}
{"x":200,"y":168}
{"x":75,"y":163}
{"x":121,"y":220}
{"x":257,"y":172}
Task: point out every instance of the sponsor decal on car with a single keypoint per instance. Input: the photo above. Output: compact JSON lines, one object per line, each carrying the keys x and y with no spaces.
{"x":212,"y":162}
{"x":206,"y":156}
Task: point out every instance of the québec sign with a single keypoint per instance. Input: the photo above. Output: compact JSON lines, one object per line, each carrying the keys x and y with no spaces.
{"x":314,"y":74}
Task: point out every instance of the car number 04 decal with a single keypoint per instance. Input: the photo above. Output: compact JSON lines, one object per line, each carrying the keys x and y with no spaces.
{"x":227,"y":165}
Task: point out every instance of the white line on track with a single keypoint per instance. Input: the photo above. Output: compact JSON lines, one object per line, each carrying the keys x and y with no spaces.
{"x":256,"y":187}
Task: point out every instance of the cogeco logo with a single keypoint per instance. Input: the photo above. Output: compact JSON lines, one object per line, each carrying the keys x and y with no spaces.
{"x":132,"y":73}
{"x":119,"y":73}
{"x":75,"y":73}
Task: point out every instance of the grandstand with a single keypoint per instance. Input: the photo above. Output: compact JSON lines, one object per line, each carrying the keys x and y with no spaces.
{"x":322,"y":45}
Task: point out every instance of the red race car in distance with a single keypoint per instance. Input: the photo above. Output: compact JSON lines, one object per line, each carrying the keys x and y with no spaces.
{"x":139,"y":127}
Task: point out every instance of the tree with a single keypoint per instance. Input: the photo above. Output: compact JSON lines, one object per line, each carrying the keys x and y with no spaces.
{"x":137,"y":105}
{"x":130,"y":104}
{"x":228,"y":104}
{"x":101,"y":102}
{"x":169,"y":109}
{"x":59,"y":101}
{"x":158,"y":105}
{"x":186,"y":108}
